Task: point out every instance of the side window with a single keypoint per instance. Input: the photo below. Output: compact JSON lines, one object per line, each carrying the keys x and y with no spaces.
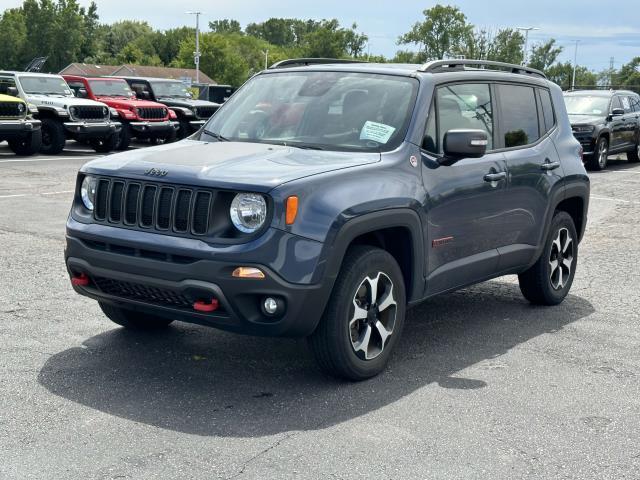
{"x":547,"y":110}
{"x":75,"y":86}
{"x":615,"y":103}
{"x":626,"y":104}
{"x":464,"y":106}
{"x":518,"y":115}
{"x":430,"y":141}
{"x":635,"y":103}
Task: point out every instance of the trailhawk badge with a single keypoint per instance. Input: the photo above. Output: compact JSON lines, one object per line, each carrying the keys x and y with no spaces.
{"x":155,"y":172}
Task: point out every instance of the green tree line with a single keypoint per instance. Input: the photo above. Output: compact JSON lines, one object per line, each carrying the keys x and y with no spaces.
{"x":66,"y":32}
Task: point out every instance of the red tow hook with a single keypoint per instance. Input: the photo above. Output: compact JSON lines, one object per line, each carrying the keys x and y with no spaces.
{"x":80,"y":281}
{"x":202,"y":306}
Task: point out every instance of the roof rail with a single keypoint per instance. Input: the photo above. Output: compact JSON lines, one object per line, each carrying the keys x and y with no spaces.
{"x":447,"y":65}
{"x":303,"y":62}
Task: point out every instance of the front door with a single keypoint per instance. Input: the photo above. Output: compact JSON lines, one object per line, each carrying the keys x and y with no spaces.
{"x":465,"y":204}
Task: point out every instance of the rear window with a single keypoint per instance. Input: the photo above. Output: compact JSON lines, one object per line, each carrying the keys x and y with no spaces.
{"x":519,"y":115}
{"x":549,"y":119}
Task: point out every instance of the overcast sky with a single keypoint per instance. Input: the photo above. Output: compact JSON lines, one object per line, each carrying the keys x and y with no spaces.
{"x":603,"y":31}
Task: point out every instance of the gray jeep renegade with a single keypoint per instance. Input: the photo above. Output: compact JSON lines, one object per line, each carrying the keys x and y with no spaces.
{"x":325,"y":198}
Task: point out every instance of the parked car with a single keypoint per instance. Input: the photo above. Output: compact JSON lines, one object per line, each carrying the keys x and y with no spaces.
{"x":217,"y":93}
{"x":17,"y":127}
{"x":140,"y":119}
{"x":605,"y":122}
{"x":192,"y":114}
{"x":322,"y":201}
{"x":62,"y":115}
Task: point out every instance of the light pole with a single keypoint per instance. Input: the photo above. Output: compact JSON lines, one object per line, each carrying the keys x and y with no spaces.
{"x":575,"y":64}
{"x":196,"y":54}
{"x":526,"y":31}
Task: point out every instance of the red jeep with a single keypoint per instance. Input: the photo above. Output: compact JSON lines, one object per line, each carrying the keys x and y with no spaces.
{"x":140,"y":118}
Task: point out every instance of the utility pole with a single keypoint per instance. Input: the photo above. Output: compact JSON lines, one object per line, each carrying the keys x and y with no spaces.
{"x":266,"y":58}
{"x":196,"y":54}
{"x":611,"y":62}
{"x":526,"y":31}
{"x":575,"y":60}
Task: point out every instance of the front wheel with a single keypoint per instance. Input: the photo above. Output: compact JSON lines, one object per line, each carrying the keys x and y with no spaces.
{"x":364,"y":317}
{"x":131,"y":319}
{"x":549,"y":280}
{"x":124,"y":137}
{"x":28,"y":145}
{"x":53,"y":137}
{"x":105,"y":145}
{"x":599,"y":158}
{"x":185,"y":129}
{"x":633,"y":156}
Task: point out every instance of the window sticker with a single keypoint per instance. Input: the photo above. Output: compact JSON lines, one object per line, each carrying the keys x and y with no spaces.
{"x":378,"y":132}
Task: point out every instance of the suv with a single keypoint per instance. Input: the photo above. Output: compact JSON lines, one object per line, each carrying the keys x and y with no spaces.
{"x":16,"y":125}
{"x":141,"y":119}
{"x":605,"y":122}
{"x":64,"y":116}
{"x":322,"y":201}
{"x":192,"y":114}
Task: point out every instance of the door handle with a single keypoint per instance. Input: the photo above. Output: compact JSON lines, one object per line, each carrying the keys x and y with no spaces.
{"x":495,"y":177}
{"x":548,"y":166}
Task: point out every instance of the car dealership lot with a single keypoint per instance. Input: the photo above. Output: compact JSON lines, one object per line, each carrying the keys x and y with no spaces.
{"x":483,"y":385}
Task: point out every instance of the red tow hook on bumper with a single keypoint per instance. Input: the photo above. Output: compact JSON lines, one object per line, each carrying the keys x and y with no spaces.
{"x":80,"y":280}
{"x":202,"y":306}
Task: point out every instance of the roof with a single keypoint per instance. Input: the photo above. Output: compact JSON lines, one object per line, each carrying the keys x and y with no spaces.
{"x":88,"y":69}
{"x":30,"y":74}
{"x":162,"y":73}
{"x":599,"y":93}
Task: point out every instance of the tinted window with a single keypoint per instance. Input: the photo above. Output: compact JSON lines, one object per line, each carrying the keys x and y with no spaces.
{"x":465,"y":106}
{"x":547,"y":110}
{"x":518,"y":114}
{"x":635,"y":103}
{"x":615,"y":103}
{"x":430,"y":142}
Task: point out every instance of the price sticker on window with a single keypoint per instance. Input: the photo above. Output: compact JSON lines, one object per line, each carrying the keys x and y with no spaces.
{"x":378,"y":132}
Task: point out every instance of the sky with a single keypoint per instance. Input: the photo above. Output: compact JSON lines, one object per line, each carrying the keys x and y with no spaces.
{"x":603,"y":32}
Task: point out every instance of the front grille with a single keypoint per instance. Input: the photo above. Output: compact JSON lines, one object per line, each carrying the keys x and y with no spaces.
{"x":12,"y":109}
{"x":144,"y":293}
{"x":205,"y":112}
{"x":152,"y":113}
{"x":89,"y":112}
{"x":154,"y":206}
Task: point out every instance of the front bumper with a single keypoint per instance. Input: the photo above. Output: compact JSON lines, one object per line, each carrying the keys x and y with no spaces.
{"x":587,"y":140}
{"x":133,"y":275}
{"x":18,"y":128}
{"x":196,"y":124}
{"x":154,"y":128}
{"x":89,"y":130}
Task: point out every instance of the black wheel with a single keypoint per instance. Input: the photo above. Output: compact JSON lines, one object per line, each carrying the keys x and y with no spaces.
{"x":364,"y":317}
{"x":124,"y":139}
{"x":53,"y":137}
{"x":133,"y":320}
{"x":29,"y":145}
{"x":598,"y":160}
{"x":185,"y":129}
{"x":171,"y":137}
{"x":633,"y":156}
{"x":549,"y":280}
{"x":105,"y":145}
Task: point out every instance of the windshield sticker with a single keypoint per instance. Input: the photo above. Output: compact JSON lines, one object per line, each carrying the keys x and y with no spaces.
{"x":378,"y":132}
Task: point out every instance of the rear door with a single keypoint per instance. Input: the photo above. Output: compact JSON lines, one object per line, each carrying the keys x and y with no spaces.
{"x":618,"y":126}
{"x":630,"y":120}
{"x":527,"y":128}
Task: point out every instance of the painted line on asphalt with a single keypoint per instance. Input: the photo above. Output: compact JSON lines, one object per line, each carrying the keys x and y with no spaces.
{"x":54,"y":159}
{"x":32,"y":194}
{"x":618,"y":200}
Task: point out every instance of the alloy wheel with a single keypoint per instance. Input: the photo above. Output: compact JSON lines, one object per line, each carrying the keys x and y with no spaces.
{"x":603,"y":153}
{"x":561,"y":259}
{"x":374,"y":316}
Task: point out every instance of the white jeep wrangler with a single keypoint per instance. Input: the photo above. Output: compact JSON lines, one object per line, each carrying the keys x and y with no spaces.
{"x":64,"y":116}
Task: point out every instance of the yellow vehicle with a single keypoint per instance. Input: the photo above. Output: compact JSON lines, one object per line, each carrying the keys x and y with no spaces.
{"x":17,"y":127}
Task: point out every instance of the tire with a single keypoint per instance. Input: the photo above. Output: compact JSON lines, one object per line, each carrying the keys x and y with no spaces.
{"x":543,"y":285}
{"x":53,"y":137}
{"x":27,"y":146}
{"x":171,"y":137}
{"x":185,"y":129}
{"x":633,"y":156}
{"x":133,"y":320}
{"x":124,"y":138}
{"x":339,"y":348}
{"x":598,"y":161}
{"x":105,"y":145}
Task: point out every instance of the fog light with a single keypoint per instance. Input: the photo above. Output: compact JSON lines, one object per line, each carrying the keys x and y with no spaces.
{"x":272,"y":306}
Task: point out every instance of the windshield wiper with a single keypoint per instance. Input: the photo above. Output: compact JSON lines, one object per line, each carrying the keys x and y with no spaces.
{"x":217,"y":136}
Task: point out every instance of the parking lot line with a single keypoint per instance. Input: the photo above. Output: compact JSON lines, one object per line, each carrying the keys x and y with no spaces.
{"x":31,"y":194}
{"x":610,"y":199}
{"x":53,"y":159}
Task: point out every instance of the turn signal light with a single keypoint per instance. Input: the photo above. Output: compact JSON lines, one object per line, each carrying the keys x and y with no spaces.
{"x":292,"y":209}
{"x":248,"y":272}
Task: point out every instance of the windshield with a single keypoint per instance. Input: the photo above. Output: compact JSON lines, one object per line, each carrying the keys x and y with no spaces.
{"x":324,"y":110}
{"x":45,"y":85}
{"x":586,"y":105}
{"x":111,"y":88}
{"x":170,"y":89}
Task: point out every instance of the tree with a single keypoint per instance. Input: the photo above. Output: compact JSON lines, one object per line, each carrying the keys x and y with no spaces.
{"x":543,"y":55}
{"x":505,"y":46}
{"x":562,"y":74}
{"x":225,"y":26}
{"x":13,"y":36}
{"x":442,"y":32}
{"x":628,"y":76}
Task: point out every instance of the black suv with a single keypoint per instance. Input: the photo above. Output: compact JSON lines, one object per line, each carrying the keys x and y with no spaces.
{"x":322,"y":201}
{"x":605,"y":122}
{"x":192,"y":114}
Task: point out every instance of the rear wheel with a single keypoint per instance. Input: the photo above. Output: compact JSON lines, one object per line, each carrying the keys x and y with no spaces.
{"x":599,"y":158}
{"x":29,"y":145}
{"x":124,"y":139}
{"x":133,"y":320}
{"x":549,"y":280}
{"x":105,"y":145}
{"x":53,"y":137}
{"x":364,"y":318}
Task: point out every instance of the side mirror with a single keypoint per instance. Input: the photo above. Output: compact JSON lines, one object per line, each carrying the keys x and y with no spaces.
{"x":12,"y":91}
{"x":82,"y":93}
{"x":616,"y":112}
{"x":459,"y":144}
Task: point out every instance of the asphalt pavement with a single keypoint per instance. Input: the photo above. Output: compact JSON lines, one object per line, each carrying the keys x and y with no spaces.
{"x":482,"y":386}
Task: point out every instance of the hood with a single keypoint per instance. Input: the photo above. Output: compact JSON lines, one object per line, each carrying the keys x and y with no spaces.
{"x":10,"y":99}
{"x":62,"y":101}
{"x":120,"y":102}
{"x":186,"y":102}
{"x":232,"y":165}
{"x":587,"y":119}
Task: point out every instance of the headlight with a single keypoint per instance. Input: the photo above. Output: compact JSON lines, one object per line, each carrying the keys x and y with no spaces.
{"x":88,"y":192}
{"x":113,"y":112}
{"x":21,"y":108}
{"x":73,"y":111}
{"x":248,"y":212}
{"x":583,"y":128}
{"x":105,"y":111}
{"x":33,"y":108}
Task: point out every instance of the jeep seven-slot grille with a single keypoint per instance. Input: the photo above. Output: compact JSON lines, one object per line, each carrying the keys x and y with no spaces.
{"x":154,"y":206}
{"x":205,"y":112}
{"x":12,"y":109}
{"x":89,"y":112}
{"x":152,"y":113}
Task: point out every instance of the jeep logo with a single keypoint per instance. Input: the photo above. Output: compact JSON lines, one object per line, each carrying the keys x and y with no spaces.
{"x":154,"y":172}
